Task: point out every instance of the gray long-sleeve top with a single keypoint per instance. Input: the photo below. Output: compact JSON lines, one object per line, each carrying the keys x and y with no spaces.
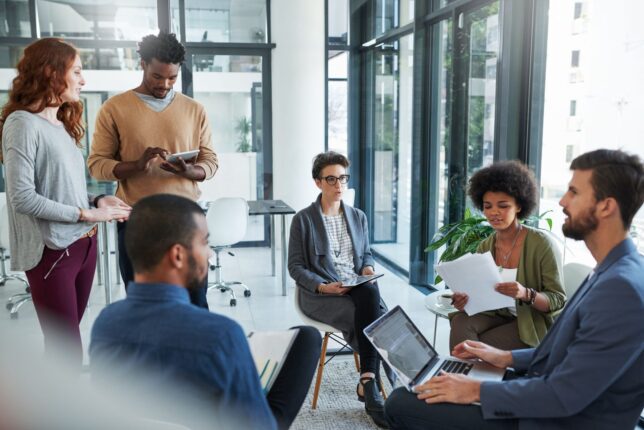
{"x":45,"y":184}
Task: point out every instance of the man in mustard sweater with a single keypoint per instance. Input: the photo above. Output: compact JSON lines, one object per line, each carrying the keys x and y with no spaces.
{"x":136,"y":130}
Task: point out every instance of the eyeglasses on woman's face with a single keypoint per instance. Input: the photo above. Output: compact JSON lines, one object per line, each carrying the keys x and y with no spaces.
{"x":332,"y":180}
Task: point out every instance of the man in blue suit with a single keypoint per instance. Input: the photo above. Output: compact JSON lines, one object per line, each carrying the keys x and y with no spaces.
{"x":589,"y":370}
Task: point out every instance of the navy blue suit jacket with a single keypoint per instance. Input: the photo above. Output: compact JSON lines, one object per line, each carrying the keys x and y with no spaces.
{"x":588,"y":372}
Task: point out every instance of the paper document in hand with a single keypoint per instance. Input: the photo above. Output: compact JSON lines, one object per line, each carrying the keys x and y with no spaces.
{"x":269,"y":350}
{"x":475,"y":275}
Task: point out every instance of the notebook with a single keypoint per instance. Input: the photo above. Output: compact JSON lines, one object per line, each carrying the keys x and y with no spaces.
{"x":269,"y":350}
{"x":413,"y":358}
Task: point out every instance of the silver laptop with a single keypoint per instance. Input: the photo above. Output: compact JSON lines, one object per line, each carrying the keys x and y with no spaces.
{"x":413,"y":358}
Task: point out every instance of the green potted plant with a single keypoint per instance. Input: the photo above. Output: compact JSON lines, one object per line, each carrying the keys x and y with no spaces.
{"x":243,"y":129}
{"x":463,"y":237}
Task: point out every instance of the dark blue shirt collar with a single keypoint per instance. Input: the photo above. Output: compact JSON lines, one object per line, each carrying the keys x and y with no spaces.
{"x":157,"y":292}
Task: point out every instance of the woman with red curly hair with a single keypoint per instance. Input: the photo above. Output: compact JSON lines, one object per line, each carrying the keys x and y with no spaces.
{"x":52,"y":218}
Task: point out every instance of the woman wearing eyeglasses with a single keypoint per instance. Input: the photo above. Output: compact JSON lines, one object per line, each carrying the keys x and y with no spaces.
{"x":329,"y":242}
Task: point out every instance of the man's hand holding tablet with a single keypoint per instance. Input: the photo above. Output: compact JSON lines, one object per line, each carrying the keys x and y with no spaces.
{"x":186,"y":156}
{"x":182,"y":164}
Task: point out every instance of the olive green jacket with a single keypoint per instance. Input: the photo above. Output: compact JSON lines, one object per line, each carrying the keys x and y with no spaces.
{"x":539,"y":268}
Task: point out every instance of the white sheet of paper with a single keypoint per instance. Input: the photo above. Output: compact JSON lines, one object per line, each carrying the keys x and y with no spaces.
{"x":475,"y":275}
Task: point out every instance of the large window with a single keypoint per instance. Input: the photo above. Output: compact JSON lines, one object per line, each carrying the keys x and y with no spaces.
{"x":391,"y":14}
{"x":241,"y":21}
{"x":14,"y":18}
{"x":97,"y":19}
{"x":392,"y":150}
{"x":337,"y":104}
{"x":465,"y":102}
{"x":337,"y":72}
{"x":593,"y":100}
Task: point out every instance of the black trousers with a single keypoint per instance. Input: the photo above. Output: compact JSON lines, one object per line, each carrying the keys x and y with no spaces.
{"x":366,"y":299}
{"x":403,"y":410}
{"x":292,"y":384}
{"x":197,"y":298}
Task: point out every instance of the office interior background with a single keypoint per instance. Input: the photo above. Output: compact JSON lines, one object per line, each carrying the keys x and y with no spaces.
{"x":419,"y":94}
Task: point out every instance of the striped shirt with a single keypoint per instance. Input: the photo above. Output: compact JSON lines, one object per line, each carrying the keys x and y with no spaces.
{"x":341,"y":245}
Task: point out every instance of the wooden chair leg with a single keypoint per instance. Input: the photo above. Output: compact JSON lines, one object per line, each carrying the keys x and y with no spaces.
{"x":357,"y":360}
{"x":318,"y":379}
{"x":382,"y":389}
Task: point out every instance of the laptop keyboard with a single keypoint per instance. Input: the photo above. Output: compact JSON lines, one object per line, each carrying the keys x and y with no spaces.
{"x":451,"y":366}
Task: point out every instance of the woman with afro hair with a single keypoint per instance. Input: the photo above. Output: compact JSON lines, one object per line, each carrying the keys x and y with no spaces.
{"x":530,"y":264}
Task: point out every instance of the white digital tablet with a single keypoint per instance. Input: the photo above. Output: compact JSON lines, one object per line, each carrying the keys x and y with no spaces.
{"x":188,"y":155}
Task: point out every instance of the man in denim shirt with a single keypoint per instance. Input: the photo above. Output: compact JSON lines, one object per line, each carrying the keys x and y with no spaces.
{"x":200,"y":357}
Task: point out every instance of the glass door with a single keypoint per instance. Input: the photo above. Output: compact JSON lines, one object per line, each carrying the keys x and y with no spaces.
{"x":392,"y":107}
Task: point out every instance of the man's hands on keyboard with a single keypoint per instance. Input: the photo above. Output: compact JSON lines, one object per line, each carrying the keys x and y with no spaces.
{"x":450,"y":388}
{"x":473,"y":349}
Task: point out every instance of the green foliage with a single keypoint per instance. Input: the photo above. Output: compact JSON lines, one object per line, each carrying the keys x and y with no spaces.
{"x":243,"y":129}
{"x":463,"y":237}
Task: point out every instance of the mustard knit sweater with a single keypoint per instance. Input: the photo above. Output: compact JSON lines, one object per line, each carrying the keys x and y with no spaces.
{"x":126,"y":126}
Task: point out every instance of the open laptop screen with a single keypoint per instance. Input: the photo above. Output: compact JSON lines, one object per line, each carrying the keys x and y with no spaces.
{"x":397,"y":338}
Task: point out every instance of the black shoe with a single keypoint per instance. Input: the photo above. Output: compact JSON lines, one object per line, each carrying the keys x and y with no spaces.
{"x":373,"y":403}
{"x":361,"y":396}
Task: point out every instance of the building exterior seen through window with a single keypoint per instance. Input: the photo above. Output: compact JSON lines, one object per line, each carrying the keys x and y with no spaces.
{"x":587,"y":107}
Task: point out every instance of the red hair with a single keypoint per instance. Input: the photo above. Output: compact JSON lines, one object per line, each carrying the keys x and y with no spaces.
{"x":41,"y":82}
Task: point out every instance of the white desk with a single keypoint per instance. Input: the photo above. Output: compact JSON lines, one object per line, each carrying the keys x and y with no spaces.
{"x":273,"y":208}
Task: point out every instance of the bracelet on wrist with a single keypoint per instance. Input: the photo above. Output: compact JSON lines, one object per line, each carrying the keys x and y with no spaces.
{"x":81,"y":216}
{"x":533,"y":296}
{"x":97,"y":198}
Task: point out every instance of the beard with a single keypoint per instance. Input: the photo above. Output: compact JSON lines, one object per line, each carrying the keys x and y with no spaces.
{"x":578,"y":230}
{"x":194,"y":282}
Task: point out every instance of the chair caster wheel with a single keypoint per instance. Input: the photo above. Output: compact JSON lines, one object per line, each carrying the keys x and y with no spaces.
{"x":212,"y":267}
{"x":246,"y":293}
{"x":14,"y":315}
{"x":223,"y":290}
{"x":2,"y":283}
{"x":9,"y":306}
{"x":233,"y":302}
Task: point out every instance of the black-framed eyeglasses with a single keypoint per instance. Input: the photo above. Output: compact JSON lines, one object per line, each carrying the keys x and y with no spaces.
{"x":332,"y":180}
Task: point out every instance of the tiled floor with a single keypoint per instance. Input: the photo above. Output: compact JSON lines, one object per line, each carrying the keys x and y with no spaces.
{"x":266,"y":309}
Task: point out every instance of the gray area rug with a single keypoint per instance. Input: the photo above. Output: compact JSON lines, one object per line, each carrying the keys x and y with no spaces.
{"x":338,"y":406}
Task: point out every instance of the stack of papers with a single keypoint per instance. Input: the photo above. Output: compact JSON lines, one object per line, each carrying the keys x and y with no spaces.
{"x":475,"y":275}
{"x":269,"y":350}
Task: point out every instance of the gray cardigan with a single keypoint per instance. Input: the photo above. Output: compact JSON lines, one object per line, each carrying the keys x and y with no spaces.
{"x":45,"y":187}
{"x":310,"y":264}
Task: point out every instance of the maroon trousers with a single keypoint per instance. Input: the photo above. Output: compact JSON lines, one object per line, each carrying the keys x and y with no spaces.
{"x":60,"y":287}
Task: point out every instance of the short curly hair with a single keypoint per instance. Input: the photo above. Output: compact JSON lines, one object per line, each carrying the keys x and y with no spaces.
{"x":165,"y":48}
{"x":510,"y":177}
{"x":325,"y":159}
